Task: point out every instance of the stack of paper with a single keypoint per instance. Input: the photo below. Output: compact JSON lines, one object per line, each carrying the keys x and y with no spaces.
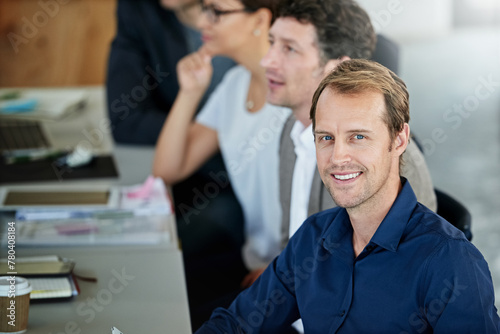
{"x":143,"y":215}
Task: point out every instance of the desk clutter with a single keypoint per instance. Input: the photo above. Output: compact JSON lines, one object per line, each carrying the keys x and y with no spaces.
{"x":139,"y":214}
{"x":52,"y":135}
{"x":40,"y":104}
{"x":119,"y":230}
{"x":102,"y":166}
{"x":50,"y":277}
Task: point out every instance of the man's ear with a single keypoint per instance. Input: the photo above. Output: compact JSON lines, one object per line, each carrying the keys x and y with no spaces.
{"x":332,"y":63}
{"x":402,"y":139}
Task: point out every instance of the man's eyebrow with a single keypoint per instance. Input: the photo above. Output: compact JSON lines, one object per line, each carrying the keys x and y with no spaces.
{"x":320,"y":132}
{"x":360,"y":131}
{"x":287,"y":40}
{"x":323,"y":132}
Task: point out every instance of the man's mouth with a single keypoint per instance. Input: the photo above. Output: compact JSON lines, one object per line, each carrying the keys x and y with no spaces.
{"x":274,"y":80}
{"x":345,"y":177}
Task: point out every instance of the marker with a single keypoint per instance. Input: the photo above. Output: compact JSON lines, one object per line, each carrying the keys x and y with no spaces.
{"x":20,"y":156}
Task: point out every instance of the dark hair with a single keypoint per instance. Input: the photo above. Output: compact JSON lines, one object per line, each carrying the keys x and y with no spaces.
{"x":343,"y":28}
{"x":356,"y":76}
{"x":255,"y":5}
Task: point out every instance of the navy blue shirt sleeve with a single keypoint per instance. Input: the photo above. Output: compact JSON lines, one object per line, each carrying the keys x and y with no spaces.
{"x":459,"y":294}
{"x":418,"y":274}
{"x":268,"y":306}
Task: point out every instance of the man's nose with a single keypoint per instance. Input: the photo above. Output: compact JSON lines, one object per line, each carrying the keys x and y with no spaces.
{"x":269,"y":59}
{"x":341,"y":153}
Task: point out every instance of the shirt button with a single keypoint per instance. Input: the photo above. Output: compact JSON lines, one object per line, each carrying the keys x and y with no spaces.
{"x":342,"y":313}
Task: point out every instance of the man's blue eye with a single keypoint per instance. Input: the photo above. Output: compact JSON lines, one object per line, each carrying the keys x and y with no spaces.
{"x":327,"y":138}
{"x":359,"y":137}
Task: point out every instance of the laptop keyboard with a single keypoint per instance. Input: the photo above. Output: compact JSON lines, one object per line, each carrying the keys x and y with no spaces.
{"x":18,"y":134}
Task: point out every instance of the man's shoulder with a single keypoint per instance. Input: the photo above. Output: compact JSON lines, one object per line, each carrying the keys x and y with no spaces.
{"x":430,"y":222}
{"x":436,"y":235}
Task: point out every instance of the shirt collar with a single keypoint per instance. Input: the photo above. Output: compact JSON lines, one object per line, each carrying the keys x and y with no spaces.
{"x":303,"y":137}
{"x":390,"y":231}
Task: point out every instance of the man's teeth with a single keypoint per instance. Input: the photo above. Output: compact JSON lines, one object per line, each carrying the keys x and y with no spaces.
{"x":346,"y":177}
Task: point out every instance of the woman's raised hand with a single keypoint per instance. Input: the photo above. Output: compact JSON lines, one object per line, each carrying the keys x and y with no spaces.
{"x":194,"y":72}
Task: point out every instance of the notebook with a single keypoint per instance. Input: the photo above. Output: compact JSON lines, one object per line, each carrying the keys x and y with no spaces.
{"x":50,"y":276}
{"x":45,"y":288}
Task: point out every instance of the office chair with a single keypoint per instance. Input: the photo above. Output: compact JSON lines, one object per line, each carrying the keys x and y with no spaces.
{"x":451,"y":209}
{"x":454,"y":212}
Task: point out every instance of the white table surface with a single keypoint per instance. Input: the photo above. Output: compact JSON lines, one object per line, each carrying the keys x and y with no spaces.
{"x":153,"y":301}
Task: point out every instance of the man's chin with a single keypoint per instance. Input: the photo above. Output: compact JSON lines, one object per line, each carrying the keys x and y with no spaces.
{"x":345,"y":204}
{"x":278,"y":102}
{"x":344,"y":200}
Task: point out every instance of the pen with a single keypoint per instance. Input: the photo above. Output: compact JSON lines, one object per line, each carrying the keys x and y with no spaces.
{"x":20,"y":156}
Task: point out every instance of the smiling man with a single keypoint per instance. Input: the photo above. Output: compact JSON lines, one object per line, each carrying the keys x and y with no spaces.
{"x":380,"y":262}
{"x":308,"y":40}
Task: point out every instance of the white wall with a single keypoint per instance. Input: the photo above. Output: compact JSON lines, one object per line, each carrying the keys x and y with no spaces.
{"x":410,"y":19}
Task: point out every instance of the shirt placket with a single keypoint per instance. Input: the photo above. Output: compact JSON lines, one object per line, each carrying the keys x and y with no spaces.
{"x":346,"y":304}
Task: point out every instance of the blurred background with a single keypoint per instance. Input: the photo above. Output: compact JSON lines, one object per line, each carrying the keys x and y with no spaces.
{"x":449,"y":58}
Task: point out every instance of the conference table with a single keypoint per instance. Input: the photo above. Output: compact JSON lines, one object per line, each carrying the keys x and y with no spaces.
{"x":140,"y":287}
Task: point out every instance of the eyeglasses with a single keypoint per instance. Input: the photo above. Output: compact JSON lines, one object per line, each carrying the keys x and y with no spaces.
{"x":214,"y":14}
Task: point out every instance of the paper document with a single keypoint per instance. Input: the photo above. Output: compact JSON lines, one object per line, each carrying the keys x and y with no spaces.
{"x":41,"y":104}
{"x":142,"y":214}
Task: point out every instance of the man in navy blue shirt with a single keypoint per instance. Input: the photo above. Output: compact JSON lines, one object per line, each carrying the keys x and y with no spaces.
{"x":380,"y":262}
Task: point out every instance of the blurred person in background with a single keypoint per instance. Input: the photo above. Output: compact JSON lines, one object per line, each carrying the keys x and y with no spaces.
{"x":237,"y":121}
{"x":142,"y":84}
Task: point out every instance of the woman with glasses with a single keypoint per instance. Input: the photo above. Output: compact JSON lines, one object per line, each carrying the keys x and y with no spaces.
{"x":235,"y":121}
{"x":152,"y":37}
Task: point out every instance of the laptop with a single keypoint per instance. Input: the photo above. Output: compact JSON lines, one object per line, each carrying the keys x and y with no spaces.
{"x":59,"y":120}
{"x":48,"y":119}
